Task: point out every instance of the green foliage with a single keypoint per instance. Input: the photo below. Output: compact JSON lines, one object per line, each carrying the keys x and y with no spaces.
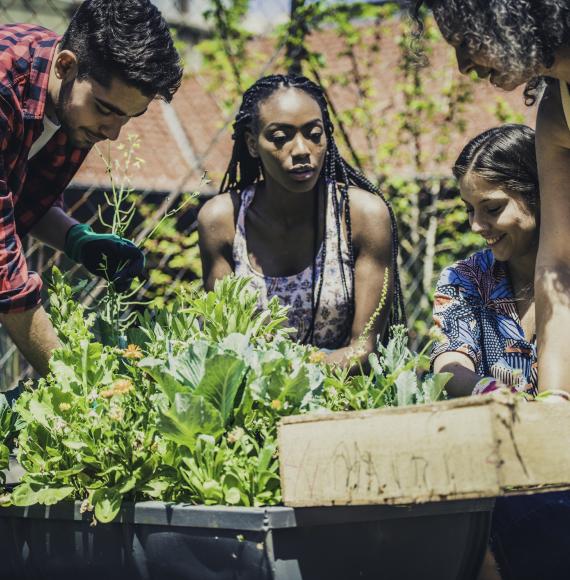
{"x":159,"y":237}
{"x":225,"y":52}
{"x":504,"y":113}
{"x":68,"y":317}
{"x":9,"y":425}
{"x":397,"y":378}
{"x":189,"y":413}
{"x":232,"y":308}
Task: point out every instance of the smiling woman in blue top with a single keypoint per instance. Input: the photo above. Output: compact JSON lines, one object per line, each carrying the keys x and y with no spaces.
{"x":484,"y":305}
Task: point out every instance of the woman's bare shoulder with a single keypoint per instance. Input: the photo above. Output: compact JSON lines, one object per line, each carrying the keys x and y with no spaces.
{"x":217,"y":216}
{"x":218,"y":208}
{"x":367,"y":207}
{"x":370,"y":219}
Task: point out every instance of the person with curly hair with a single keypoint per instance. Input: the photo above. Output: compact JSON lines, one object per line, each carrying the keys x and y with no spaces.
{"x":302,"y":224}
{"x":512,"y":42}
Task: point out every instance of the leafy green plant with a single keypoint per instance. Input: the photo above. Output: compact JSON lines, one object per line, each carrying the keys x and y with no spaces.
{"x":188,"y":412}
{"x":9,"y":426}
{"x":88,"y":432}
{"x":398,"y":377}
{"x":231,"y":308}
{"x":115,"y":311}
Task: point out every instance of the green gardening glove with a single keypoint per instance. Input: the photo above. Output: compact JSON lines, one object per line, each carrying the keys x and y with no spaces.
{"x":107,"y":255}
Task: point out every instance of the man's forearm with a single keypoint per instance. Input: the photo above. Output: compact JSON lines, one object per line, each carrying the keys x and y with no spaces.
{"x":34,"y":335}
{"x":53,"y":228}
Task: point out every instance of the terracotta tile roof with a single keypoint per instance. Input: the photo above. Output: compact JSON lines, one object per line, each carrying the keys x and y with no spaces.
{"x":176,"y":159}
{"x":164,"y":164}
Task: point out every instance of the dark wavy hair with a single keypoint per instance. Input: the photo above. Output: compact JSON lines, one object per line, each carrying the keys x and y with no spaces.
{"x":126,"y":38}
{"x":504,"y":156}
{"x":522,"y":34}
{"x":245,"y":170}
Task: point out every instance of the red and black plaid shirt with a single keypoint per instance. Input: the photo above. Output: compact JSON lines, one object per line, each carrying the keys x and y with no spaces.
{"x":28,"y":189}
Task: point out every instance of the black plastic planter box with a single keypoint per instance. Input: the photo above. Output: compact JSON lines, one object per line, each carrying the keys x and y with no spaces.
{"x":153,"y":540}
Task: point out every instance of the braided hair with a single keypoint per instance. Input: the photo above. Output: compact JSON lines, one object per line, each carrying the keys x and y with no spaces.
{"x":245,"y":170}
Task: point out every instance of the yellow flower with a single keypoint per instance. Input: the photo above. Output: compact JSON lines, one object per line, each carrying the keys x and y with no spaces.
{"x":119,"y":387}
{"x":317,"y":357}
{"x":235,"y":435}
{"x":122,"y":386}
{"x":133,"y":351}
{"x":64,"y":406}
{"x":276,"y":404}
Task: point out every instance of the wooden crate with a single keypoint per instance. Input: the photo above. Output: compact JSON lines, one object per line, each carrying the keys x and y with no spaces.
{"x":466,"y":448}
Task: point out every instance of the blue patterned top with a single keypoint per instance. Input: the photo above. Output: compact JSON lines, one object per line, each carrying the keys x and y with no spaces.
{"x":475,"y":308}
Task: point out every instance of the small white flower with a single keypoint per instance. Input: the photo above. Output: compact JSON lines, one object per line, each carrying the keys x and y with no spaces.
{"x":116,"y":414}
{"x":59,"y":425}
{"x":235,"y":435}
{"x":86,"y":506}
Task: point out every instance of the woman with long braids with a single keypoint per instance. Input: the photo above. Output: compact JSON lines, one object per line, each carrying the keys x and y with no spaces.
{"x":294,"y":216}
{"x":512,"y":42}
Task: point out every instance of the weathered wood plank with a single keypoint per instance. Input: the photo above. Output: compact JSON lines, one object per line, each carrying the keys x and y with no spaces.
{"x":467,"y":448}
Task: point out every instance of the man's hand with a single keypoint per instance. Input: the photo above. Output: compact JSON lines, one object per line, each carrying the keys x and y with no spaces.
{"x":107,"y":255}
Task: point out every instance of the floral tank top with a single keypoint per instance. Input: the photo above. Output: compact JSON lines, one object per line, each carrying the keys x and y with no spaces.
{"x":332,"y":324}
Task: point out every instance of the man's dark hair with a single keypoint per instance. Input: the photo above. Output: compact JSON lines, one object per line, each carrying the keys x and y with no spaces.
{"x":245,"y":170}
{"x":522,"y":34}
{"x":128,"y":39}
{"x":505,"y":156}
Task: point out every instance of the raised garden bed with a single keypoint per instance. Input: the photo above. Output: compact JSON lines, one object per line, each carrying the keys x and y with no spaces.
{"x":130,"y":450}
{"x":158,"y":541}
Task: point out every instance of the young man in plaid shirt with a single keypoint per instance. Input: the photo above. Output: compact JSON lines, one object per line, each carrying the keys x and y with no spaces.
{"x":58,"y":97}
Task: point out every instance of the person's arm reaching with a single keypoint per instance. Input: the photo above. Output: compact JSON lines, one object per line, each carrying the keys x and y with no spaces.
{"x":34,"y":335}
{"x":106,"y":255}
{"x":373,"y":243}
{"x":464,"y":377}
{"x":216,"y":231}
{"x":552,"y":275}
{"x":458,"y":347}
{"x":53,"y":227}
{"x":20,"y":310}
